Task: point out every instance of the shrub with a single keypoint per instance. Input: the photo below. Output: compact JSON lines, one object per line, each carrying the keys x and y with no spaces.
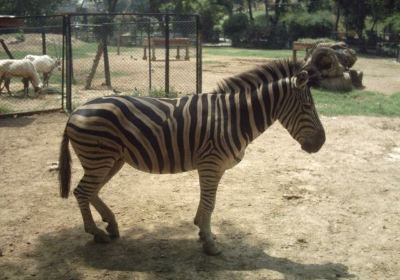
{"x":20,"y":36}
{"x":304,"y":24}
{"x":235,"y":28}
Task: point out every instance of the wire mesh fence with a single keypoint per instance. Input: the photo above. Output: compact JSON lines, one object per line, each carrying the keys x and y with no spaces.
{"x":102,"y":54}
{"x":30,"y":36}
{"x":129,"y":54}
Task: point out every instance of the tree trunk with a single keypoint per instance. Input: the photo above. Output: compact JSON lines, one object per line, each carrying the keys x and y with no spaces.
{"x":266,"y":10}
{"x":100,"y":49}
{"x":249,"y":2}
{"x":337,"y":18}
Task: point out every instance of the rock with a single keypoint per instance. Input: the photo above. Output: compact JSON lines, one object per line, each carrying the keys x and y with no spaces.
{"x":292,"y":196}
{"x":53,"y":166}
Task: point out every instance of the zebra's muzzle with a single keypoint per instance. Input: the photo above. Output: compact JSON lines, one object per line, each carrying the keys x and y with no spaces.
{"x":314,"y":143}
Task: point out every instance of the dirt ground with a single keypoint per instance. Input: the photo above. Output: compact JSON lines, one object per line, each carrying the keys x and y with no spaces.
{"x":280,"y":214}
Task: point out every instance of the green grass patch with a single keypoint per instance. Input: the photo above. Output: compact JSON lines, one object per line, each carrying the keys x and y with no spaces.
{"x":4,"y":109}
{"x":356,"y":102}
{"x":157,"y":93}
{"x":84,"y":50}
{"x":239,"y":52}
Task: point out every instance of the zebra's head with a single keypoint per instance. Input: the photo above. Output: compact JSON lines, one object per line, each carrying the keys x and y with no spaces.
{"x":300,"y":116}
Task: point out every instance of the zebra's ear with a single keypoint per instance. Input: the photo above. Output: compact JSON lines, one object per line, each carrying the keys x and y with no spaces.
{"x":301,"y":79}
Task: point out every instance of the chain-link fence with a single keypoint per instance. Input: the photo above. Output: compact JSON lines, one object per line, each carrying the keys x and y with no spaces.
{"x":132,"y":54}
{"x":20,"y":37}
{"x":102,"y":54}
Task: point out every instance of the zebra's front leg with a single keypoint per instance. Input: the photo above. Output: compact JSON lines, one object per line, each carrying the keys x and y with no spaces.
{"x":209,"y":179}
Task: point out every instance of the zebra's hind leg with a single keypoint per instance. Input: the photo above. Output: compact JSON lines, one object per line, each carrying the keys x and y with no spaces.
{"x":209,"y":179}
{"x":87,"y":192}
{"x":106,"y":214}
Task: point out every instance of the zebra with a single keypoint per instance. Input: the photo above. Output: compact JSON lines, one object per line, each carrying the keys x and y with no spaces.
{"x":208,"y":132}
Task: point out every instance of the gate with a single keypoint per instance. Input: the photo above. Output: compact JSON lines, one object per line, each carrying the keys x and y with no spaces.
{"x":104,"y":54}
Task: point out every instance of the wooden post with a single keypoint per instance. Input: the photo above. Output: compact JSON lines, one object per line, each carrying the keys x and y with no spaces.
{"x":119,"y":39}
{"x":106,"y":64}
{"x":6,"y":49}
{"x":96,"y":61}
{"x":44,"y":51}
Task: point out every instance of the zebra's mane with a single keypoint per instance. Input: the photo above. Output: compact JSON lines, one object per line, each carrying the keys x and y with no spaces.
{"x":258,"y":75}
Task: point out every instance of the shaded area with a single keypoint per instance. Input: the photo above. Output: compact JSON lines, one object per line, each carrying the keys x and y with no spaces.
{"x":63,"y":254}
{"x":17,"y":122}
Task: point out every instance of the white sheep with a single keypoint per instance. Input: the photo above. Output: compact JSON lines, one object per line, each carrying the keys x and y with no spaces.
{"x":44,"y":64}
{"x":23,"y":68}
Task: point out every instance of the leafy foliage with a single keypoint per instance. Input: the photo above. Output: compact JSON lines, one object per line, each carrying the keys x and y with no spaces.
{"x":235,"y":27}
{"x":29,"y":7}
{"x":393,"y":22}
{"x":304,"y":24}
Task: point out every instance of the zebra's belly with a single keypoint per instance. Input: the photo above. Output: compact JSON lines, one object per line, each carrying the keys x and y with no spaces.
{"x":160,"y":165}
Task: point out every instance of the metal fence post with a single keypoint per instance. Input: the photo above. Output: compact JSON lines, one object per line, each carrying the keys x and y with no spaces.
{"x":199,"y":57}
{"x":68,"y":63}
{"x":149,"y":56}
{"x":167,"y":55}
{"x":63,"y":63}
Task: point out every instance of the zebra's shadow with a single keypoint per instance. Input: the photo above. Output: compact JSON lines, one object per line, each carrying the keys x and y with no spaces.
{"x":166,"y":252}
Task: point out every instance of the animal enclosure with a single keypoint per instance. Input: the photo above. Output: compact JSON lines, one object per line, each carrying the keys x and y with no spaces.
{"x":32,"y":36}
{"x":128,"y":54}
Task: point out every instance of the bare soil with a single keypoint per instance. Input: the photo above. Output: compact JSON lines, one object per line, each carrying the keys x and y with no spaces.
{"x":281,"y":213}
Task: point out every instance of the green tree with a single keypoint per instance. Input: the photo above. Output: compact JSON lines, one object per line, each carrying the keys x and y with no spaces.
{"x":210,"y":11}
{"x":355,"y":12}
{"x":29,"y":7}
{"x":235,"y":27}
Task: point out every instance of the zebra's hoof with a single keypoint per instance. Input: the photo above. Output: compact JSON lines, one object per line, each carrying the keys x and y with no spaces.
{"x":203,"y":238}
{"x":113,"y":231}
{"x":102,"y":238}
{"x":211,"y":249}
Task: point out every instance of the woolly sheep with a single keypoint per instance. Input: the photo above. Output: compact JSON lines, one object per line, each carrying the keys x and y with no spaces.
{"x":23,"y":68}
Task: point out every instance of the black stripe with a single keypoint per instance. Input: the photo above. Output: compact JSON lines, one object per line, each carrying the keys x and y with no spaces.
{"x":204,"y":117}
{"x":145,"y":109}
{"x":275,"y":91}
{"x":102,"y":146}
{"x":235,"y":136}
{"x":267,"y":103}
{"x":218,"y":126}
{"x":245,"y":126}
{"x":193,"y":123}
{"x":180,"y":122}
{"x":91,"y":132}
{"x":96,"y":158}
{"x":212,"y":119}
{"x":225,"y":128}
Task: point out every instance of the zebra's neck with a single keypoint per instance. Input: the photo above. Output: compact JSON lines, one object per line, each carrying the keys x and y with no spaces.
{"x":258,"y":96}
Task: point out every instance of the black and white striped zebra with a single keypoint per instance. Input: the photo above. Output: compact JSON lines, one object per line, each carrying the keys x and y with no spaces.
{"x":208,"y":132}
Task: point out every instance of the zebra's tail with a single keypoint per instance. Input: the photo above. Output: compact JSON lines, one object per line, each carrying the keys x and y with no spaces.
{"x":64,"y":173}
